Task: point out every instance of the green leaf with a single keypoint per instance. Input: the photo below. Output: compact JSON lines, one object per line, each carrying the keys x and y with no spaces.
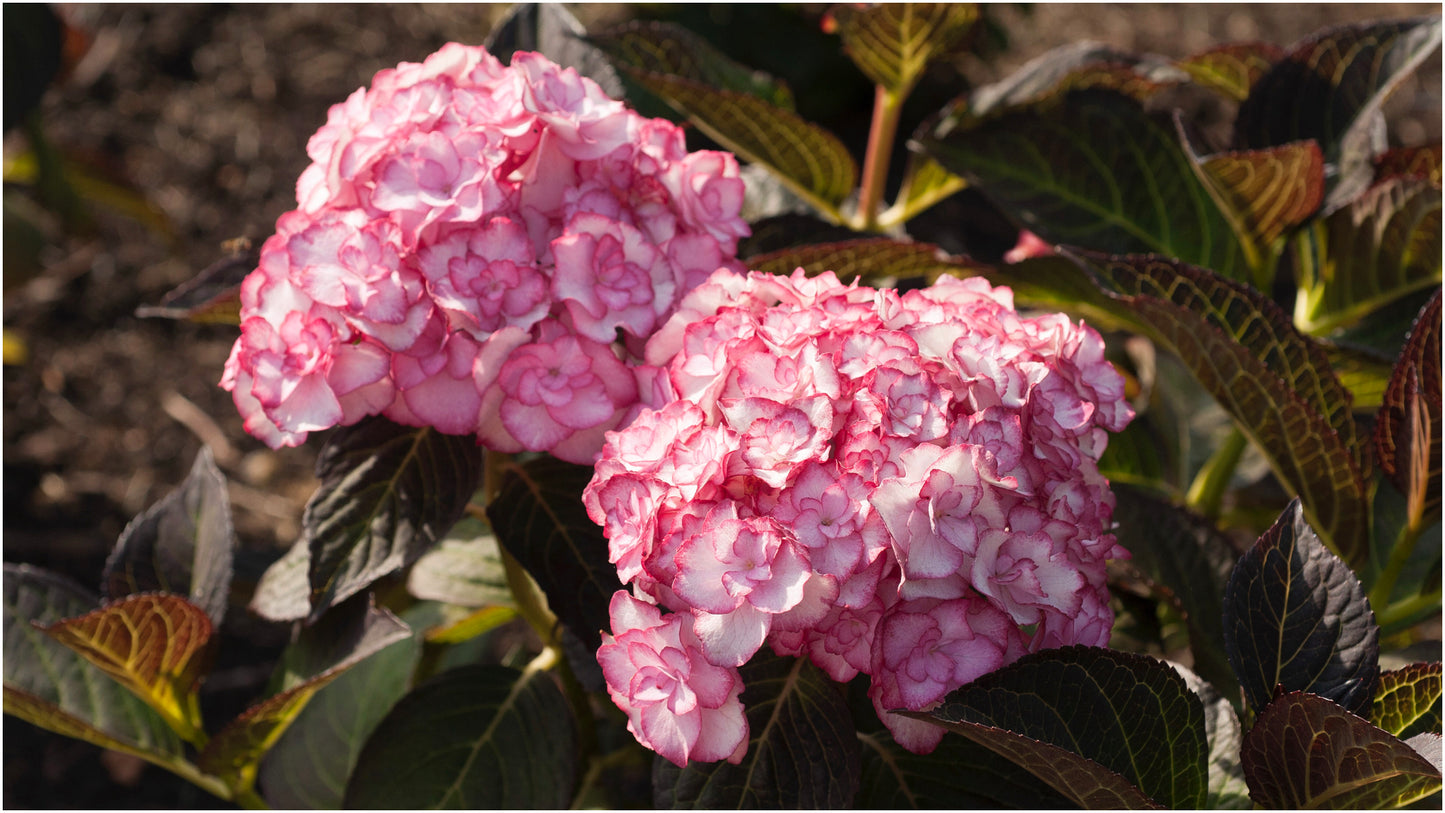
{"x":1276,"y":385}
{"x":539,"y":518}
{"x":925,"y":183}
{"x":1187,"y":558}
{"x":352,"y":632}
{"x":282,"y":593}
{"x":667,"y":48}
{"x":866,"y":259}
{"x":183,"y":544}
{"x":1128,"y":714}
{"x":1295,"y":616}
{"x":388,"y":493}
{"x":465,"y":569}
{"x":1407,"y":431}
{"x":1232,"y":68}
{"x":1363,"y":371}
{"x":1306,"y":752}
{"x":50,"y":686}
{"x":1382,"y":246}
{"x":551,"y":30}
{"x":1092,"y":169}
{"x":1227,"y":788}
{"x":802,"y":749}
{"x":1408,"y":700}
{"x":474,"y":737}
{"x":311,"y":761}
{"x":213,"y":295}
{"x":156,"y":645}
{"x":893,"y":43}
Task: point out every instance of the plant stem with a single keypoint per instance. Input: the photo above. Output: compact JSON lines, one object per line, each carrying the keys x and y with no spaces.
{"x":886,"y":109}
{"x":1400,"y":554}
{"x":1206,"y":493}
{"x":1399,"y":613}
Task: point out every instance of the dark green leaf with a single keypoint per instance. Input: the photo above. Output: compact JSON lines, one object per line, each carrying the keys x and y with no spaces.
{"x":538,"y":516}
{"x":183,"y":544}
{"x":311,"y":761}
{"x":865,"y":259}
{"x":893,"y":43}
{"x":1407,"y":431}
{"x":1188,"y":558}
{"x":1306,"y":752}
{"x":666,"y":48}
{"x":388,"y":493}
{"x":1130,"y":715}
{"x":1232,"y":68}
{"x":352,"y":632}
{"x":1295,"y":616}
{"x":475,"y":737}
{"x":1093,"y":169}
{"x":50,"y":686}
{"x":1408,"y":701}
{"x":1227,"y":788}
{"x":1277,"y":385}
{"x":802,"y":749}
{"x":465,"y":569}
{"x":214,"y":295}
{"x":551,"y":30}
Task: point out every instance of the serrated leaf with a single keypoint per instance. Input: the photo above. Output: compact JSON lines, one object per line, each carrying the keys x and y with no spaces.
{"x":802,"y":750}
{"x":1129,"y":715}
{"x":1276,"y":385}
{"x":50,"y":686}
{"x":1093,"y":169}
{"x":1407,"y":431}
{"x":473,"y":737}
{"x":865,"y":259}
{"x":808,"y":158}
{"x":310,"y":762}
{"x":1409,"y":162}
{"x":1408,"y":700}
{"x":893,"y":43}
{"x":1307,"y":752}
{"x":282,"y":593}
{"x":183,"y":544}
{"x":388,"y":493}
{"x":344,"y":637}
{"x":1232,"y":68}
{"x":1185,"y":555}
{"x":539,"y":518}
{"x":465,"y":569}
{"x":156,"y":645}
{"x":213,"y":295}
{"x":1296,"y":616}
{"x":1383,"y":246}
{"x":667,"y":48}
{"x":551,"y":30}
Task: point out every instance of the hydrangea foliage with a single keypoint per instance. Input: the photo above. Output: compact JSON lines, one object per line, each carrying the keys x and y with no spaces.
{"x":903,"y":486}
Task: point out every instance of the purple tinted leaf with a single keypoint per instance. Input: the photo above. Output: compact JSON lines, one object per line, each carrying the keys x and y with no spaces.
{"x":1407,"y":432}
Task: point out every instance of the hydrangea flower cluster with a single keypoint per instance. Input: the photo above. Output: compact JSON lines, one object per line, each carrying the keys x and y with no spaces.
{"x":481,"y":249}
{"x":904,"y":486}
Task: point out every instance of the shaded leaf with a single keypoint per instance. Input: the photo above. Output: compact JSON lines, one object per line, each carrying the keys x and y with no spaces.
{"x":1232,"y":68}
{"x":310,"y":763}
{"x":156,"y":645}
{"x":183,"y":544}
{"x":1276,"y":385}
{"x":1383,"y":246}
{"x":388,"y":493}
{"x":1407,"y":432}
{"x":925,"y":183}
{"x":1306,"y":752}
{"x":1296,"y":616}
{"x":1052,"y":73}
{"x":802,"y":749}
{"x":344,"y":637}
{"x":893,"y":43}
{"x":791,"y":230}
{"x":667,"y":48}
{"x":473,"y":737}
{"x":212,"y":296}
{"x":1409,"y":162}
{"x":465,"y":569}
{"x":1127,"y":714}
{"x":1093,"y":169}
{"x":52,"y":687}
{"x":1187,"y":557}
{"x":1227,"y":788}
{"x":866,"y":259}
{"x":551,"y":30}
{"x":1363,"y":371}
{"x":1408,"y":700}
{"x":282,"y":593}
{"x":538,"y":516}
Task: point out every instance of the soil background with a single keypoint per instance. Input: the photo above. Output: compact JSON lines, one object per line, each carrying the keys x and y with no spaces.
{"x":202,"y":113}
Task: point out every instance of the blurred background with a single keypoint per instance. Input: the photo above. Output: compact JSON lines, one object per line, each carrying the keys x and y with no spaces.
{"x":175,"y":129}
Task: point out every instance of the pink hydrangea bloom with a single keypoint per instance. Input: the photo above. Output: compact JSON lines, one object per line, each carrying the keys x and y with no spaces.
{"x":903,"y":486}
{"x":482,"y":249}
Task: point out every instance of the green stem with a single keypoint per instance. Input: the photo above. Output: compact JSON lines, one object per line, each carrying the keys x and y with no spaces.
{"x":886,"y":109}
{"x":1400,"y":553}
{"x":1403,"y":611}
{"x":1206,"y":493}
